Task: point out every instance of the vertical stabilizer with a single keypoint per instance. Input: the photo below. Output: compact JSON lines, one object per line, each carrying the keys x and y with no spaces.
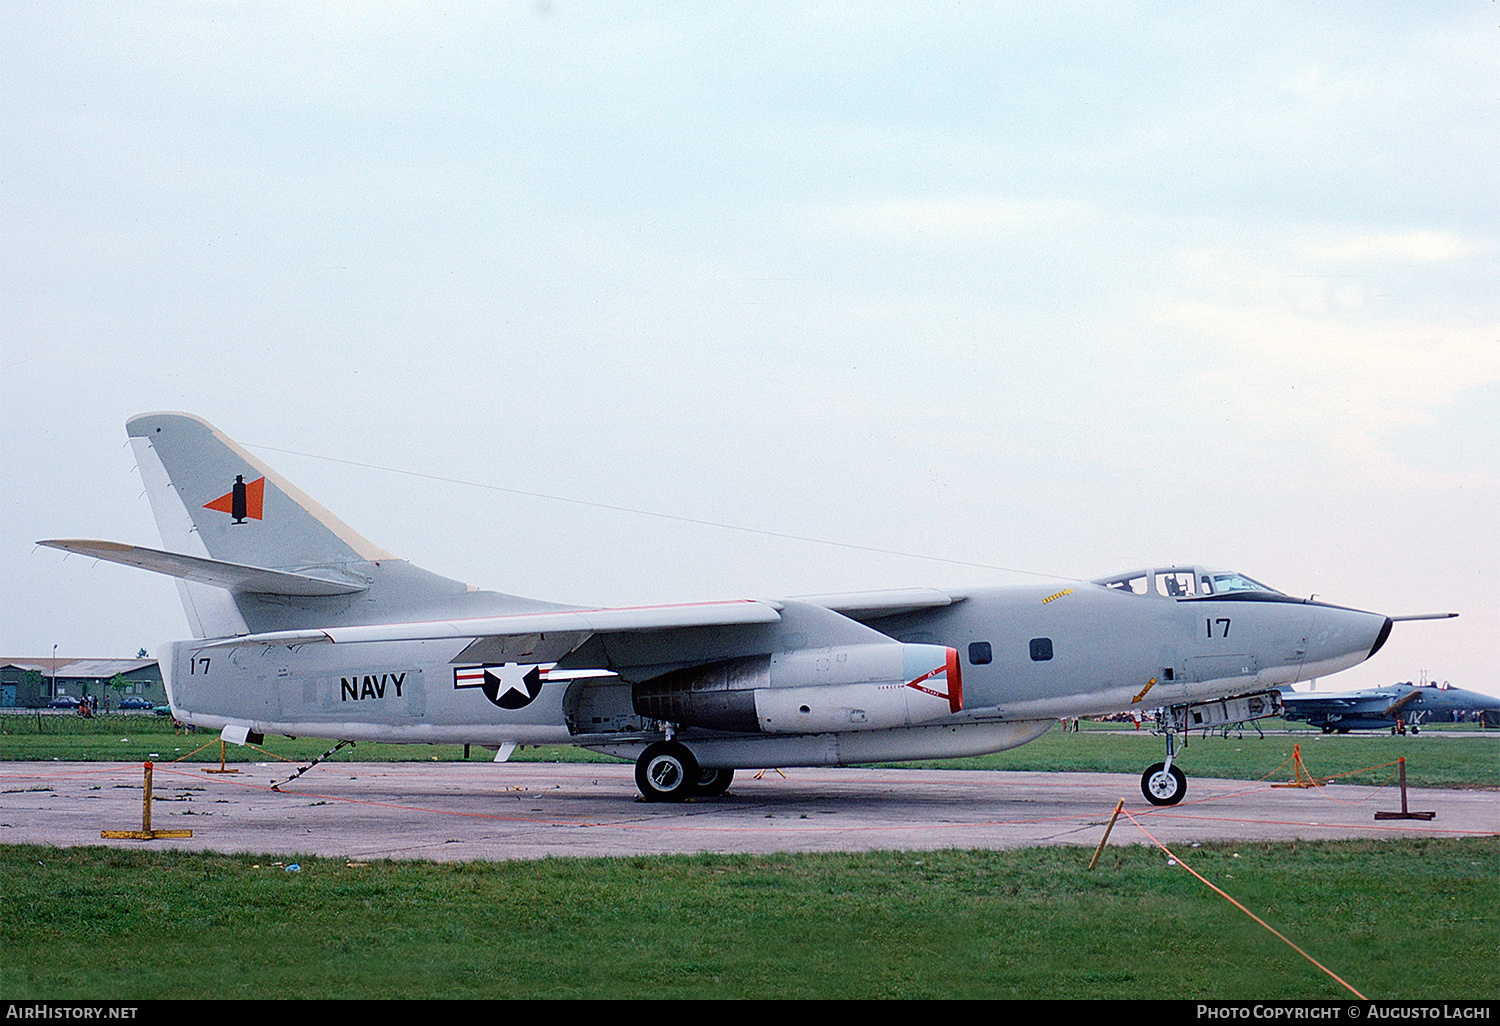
{"x":220,"y":498}
{"x":213,"y":499}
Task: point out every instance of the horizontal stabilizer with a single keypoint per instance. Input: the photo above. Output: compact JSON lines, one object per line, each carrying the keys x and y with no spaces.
{"x":234,"y":577}
{"x":557,"y":621}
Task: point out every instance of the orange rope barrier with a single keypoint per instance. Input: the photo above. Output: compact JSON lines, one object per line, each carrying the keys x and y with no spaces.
{"x":1278,"y":934}
{"x":1306,"y":778}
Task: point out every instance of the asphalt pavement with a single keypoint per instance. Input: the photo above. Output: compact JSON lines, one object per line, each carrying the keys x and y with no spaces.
{"x":483,"y":811}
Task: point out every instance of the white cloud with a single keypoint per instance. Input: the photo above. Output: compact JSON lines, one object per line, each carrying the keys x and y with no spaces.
{"x":1423,"y":247}
{"x":1343,"y":386}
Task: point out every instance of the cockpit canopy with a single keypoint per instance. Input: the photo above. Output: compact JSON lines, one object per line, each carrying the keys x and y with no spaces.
{"x":1181,"y":582}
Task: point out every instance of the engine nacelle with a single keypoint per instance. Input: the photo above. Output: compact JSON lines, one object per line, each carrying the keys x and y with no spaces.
{"x":810,"y":691}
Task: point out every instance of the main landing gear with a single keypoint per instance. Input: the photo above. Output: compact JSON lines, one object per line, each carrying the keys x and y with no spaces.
{"x":714,"y":782}
{"x":667,"y":772}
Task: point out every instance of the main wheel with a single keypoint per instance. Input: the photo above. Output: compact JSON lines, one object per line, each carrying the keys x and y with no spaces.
{"x":1163,"y":786}
{"x":666,"y":772}
{"x":713,"y":782}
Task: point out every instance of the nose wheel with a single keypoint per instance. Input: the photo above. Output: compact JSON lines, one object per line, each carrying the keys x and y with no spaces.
{"x":1163,"y":784}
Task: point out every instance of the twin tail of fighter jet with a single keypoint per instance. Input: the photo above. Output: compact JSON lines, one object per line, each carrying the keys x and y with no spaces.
{"x":303,"y":627}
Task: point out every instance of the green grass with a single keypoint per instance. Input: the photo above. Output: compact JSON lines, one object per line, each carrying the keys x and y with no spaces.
{"x":136,"y":924}
{"x":1414,"y":919}
{"x":1464,"y":760}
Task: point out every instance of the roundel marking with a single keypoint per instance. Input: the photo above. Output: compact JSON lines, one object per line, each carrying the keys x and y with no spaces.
{"x":510,"y":686}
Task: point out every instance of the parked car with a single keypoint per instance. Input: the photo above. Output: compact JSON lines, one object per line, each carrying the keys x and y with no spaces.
{"x":64,"y":702}
{"x":134,"y":702}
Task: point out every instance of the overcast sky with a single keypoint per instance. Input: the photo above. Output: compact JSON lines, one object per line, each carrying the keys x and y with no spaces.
{"x":1056,"y":288}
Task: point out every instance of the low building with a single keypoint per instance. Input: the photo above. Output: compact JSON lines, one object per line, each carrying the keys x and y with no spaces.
{"x":32,"y":683}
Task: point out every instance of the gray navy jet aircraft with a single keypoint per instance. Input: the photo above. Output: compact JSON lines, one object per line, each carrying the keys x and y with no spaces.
{"x":304,"y":628}
{"x":1382,"y":708}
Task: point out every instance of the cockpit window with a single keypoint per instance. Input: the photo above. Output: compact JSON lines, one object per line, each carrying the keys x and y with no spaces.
{"x":1182,"y":582}
{"x":1174,"y":583}
{"x":1218,"y":582}
{"x":1138,"y":584}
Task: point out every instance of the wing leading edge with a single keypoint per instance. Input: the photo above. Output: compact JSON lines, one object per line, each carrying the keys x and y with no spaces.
{"x":562,"y":621}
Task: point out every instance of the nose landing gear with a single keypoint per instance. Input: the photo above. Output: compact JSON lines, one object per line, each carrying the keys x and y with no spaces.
{"x":1163,"y":784}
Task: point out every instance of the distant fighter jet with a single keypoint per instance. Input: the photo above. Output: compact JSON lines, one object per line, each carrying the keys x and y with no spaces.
{"x":304,"y":628}
{"x":1381,"y":708}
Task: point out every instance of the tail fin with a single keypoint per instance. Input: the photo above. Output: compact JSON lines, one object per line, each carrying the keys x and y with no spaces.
{"x":214,"y":500}
{"x":209,"y":494}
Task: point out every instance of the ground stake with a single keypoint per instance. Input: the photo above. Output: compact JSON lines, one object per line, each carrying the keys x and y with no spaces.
{"x":145,"y":833}
{"x":1403,"y":814}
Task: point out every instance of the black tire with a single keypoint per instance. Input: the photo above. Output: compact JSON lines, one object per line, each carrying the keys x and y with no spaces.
{"x":1162,"y":786}
{"x":666,"y":772}
{"x":713,"y":782}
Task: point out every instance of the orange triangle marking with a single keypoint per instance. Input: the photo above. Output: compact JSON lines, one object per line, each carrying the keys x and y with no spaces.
{"x":255,"y":500}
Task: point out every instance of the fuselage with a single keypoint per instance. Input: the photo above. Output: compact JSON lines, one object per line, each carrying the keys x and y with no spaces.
{"x":1041,"y":651}
{"x":1028,"y":655}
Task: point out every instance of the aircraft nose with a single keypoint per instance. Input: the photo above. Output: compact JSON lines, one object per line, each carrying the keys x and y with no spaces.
{"x":1339,"y":638}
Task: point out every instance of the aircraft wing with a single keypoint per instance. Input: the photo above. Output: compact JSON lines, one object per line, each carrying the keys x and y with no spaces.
{"x":1400,"y":703}
{"x":235,"y":577}
{"x":649,"y":639}
{"x":1336,"y":701}
{"x":870,"y":605}
{"x":562,"y":622}
{"x":1325,"y":703}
